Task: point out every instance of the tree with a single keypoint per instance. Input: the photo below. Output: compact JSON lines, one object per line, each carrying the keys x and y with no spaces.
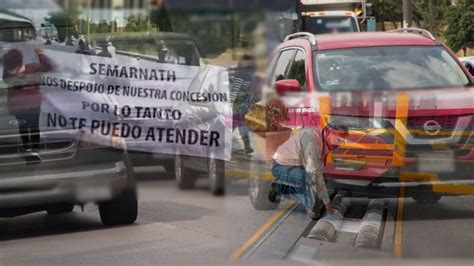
{"x":103,"y":27}
{"x":137,"y":23}
{"x":387,"y":10}
{"x":429,"y":14}
{"x":459,"y":21}
{"x":160,"y":16}
{"x":65,"y":22}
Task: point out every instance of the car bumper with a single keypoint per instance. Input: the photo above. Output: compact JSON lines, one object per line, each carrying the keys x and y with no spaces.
{"x":147,"y":158}
{"x":99,"y":182}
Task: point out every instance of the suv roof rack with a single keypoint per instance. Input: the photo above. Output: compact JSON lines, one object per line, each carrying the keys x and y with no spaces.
{"x":416,"y":30}
{"x":302,"y":34}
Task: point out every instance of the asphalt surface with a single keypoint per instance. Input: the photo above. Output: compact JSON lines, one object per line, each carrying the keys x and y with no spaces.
{"x":173,"y":227}
{"x":193,"y":227}
{"x":443,"y":230}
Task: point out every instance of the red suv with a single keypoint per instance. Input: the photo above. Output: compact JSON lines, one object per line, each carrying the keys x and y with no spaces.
{"x":408,"y":101}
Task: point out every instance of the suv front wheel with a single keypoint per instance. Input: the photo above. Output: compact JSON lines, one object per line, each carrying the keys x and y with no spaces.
{"x":124,"y":209}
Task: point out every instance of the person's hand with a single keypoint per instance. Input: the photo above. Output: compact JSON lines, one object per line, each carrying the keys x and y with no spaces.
{"x":329,"y":209}
{"x":39,"y":51}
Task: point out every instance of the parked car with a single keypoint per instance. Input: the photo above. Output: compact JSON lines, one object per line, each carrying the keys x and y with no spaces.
{"x":468,"y":63}
{"x":368,"y":78}
{"x":179,"y":49}
{"x":65,"y":171}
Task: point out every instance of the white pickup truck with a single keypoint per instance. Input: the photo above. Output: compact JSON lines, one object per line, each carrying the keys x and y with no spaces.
{"x":332,"y":16}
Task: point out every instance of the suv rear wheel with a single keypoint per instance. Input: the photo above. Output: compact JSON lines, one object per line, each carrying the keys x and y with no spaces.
{"x":183,"y":175}
{"x":169,"y":167}
{"x":216,"y":172}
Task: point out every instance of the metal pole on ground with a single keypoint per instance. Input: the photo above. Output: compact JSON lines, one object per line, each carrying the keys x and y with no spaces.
{"x":326,"y":227}
{"x":369,"y":231}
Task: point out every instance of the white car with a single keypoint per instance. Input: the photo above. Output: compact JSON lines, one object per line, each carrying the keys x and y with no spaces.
{"x":468,"y":63}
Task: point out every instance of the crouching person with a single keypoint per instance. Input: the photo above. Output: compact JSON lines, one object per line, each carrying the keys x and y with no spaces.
{"x":298,"y":166}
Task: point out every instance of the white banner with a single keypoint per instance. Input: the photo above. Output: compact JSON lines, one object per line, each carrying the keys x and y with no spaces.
{"x":152,"y":107}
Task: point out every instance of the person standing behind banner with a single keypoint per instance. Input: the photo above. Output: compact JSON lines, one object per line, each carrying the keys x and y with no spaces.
{"x":24,"y":96}
{"x":104,"y":52}
{"x":111,"y":48}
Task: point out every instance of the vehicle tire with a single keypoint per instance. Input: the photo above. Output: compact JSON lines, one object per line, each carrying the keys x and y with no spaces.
{"x":183,"y":175}
{"x":426,"y":198}
{"x":259,"y":188}
{"x":216,"y":173}
{"x":169,"y":168}
{"x":59,"y":209}
{"x":124,"y":209}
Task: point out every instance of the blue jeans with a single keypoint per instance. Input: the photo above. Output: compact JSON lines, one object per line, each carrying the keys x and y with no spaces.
{"x":294,"y":183}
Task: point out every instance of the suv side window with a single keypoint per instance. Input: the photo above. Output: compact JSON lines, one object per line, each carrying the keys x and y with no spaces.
{"x":282,"y":65}
{"x":297,"y":69}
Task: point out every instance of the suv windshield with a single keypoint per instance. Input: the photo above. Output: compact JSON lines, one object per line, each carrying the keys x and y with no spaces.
{"x":387,"y":68}
{"x":330,"y":24}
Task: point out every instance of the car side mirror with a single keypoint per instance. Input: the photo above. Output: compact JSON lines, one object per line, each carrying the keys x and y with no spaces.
{"x":287,"y":85}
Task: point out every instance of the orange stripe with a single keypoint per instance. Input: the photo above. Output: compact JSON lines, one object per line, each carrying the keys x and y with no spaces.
{"x":242,"y":249}
{"x":397,"y":245}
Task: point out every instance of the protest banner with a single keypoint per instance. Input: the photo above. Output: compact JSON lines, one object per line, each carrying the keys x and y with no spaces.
{"x":152,"y":107}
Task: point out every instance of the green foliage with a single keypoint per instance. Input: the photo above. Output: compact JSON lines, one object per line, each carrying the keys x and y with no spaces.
{"x":459,"y":21}
{"x":160,"y":17}
{"x":137,"y":23}
{"x":65,"y":22}
{"x":430,"y":14}
{"x":387,"y":11}
{"x":103,"y":27}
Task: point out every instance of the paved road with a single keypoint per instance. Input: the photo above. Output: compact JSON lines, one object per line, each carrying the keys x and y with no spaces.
{"x":193,"y":227}
{"x":173,"y":227}
{"x":442,"y":230}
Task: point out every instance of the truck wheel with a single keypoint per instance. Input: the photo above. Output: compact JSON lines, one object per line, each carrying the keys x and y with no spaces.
{"x":124,"y":209}
{"x":183,"y":175}
{"x":59,"y":209}
{"x":259,"y":188}
{"x":426,"y":198}
{"x":216,"y":173}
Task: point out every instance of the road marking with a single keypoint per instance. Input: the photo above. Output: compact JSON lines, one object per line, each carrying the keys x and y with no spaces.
{"x":397,"y":248}
{"x":236,"y":255}
{"x":241,"y":174}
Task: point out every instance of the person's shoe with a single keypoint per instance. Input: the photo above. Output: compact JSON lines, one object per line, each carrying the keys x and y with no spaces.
{"x":273,"y":195}
{"x":312,"y":214}
{"x":33,"y":157}
{"x":25,"y":150}
{"x":315,"y":211}
{"x":248,"y":150}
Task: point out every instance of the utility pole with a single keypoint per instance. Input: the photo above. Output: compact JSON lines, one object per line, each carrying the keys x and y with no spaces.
{"x":407,"y":13}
